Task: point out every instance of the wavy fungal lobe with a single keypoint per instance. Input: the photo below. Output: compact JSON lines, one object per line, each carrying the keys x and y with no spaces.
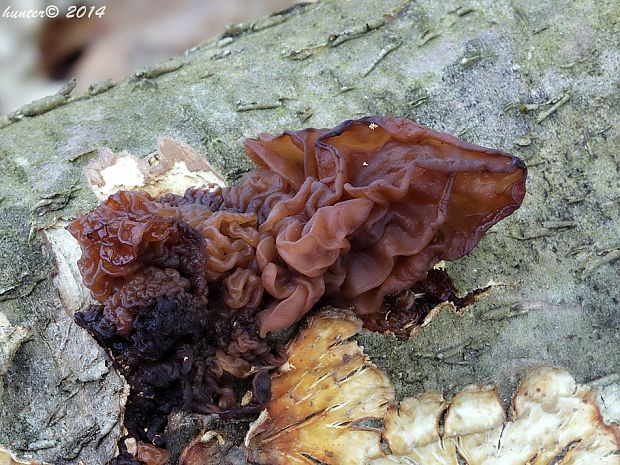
{"x":189,"y":286}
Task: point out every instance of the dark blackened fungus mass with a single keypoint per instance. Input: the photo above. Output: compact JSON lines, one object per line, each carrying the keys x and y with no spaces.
{"x":189,"y":286}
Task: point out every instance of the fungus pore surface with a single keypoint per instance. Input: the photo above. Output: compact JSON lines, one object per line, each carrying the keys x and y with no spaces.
{"x":190,"y":286}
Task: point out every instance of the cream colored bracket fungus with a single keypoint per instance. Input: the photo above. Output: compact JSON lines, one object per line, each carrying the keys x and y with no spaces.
{"x":329,"y":386}
{"x":320,"y":397}
{"x":552,"y":421}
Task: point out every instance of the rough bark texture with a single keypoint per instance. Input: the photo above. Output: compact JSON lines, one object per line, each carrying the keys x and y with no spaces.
{"x":534,"y":78}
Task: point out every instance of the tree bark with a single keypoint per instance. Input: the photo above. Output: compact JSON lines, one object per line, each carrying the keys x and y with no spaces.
{"x":538,"y":79}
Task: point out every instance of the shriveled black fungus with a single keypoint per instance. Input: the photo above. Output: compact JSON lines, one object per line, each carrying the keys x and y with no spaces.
{"x":170,"y":361}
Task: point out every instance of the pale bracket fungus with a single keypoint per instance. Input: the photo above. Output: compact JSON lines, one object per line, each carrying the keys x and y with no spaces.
{"x":328,"y":384}
{"x":320,"y":396}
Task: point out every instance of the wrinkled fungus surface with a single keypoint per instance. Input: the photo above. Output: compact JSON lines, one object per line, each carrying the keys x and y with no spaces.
{"x":189,"y":286}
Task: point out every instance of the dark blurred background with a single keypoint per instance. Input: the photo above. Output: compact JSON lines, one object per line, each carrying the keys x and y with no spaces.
{"x":37,"y":56}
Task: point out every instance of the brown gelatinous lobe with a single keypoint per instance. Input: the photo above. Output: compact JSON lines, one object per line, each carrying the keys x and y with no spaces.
{"x":189,"y":286}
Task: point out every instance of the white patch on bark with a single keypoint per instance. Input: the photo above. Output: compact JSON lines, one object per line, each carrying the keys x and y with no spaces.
{"x":173,"y":168}
{"x":123,"y":173}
